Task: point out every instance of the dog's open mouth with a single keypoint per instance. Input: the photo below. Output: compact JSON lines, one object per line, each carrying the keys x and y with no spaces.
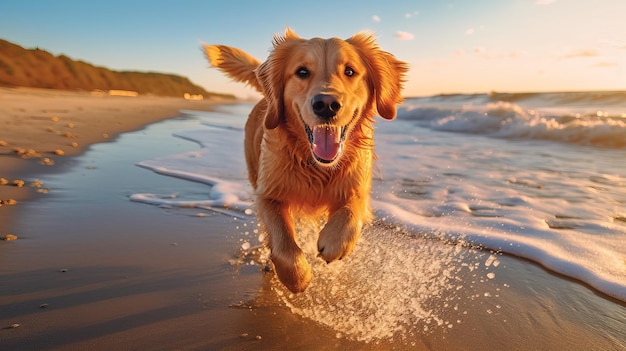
{"x":326,"y":141}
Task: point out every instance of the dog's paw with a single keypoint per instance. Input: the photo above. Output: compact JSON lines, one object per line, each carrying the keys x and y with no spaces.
{"x":338,"y":237}
{"x":294,"y":272}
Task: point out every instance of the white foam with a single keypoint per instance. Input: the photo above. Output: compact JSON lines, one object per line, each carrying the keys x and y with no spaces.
{"x":392,"y":284}
{"x":513,"y":121}
{"x":220,"y":140}
{"x":492,"y":197}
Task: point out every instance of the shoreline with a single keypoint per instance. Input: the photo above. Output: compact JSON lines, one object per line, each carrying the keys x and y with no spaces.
{"x":41,"y":130}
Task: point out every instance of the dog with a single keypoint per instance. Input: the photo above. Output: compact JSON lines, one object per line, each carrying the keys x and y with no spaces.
{"x":309,"y":140}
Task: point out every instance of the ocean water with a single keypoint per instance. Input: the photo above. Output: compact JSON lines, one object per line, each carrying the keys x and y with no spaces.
{"x":540,"y":176}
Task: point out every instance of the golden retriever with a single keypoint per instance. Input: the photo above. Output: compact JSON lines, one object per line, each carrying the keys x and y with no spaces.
{"x":309,"y":141}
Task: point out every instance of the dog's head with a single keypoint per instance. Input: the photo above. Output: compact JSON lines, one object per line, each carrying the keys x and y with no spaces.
{"x":327,"y":87}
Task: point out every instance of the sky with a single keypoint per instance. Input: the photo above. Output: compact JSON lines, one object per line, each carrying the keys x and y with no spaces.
{"x":457,"y":46}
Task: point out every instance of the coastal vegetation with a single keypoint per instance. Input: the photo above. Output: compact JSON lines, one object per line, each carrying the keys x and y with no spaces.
{"x":37,"y":68}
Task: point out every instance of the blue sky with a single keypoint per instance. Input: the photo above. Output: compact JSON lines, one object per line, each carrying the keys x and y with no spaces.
{"x":457,"y":46}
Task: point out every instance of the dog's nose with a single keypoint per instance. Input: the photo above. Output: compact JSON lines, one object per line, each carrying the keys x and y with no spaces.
{"x":325,"y":106}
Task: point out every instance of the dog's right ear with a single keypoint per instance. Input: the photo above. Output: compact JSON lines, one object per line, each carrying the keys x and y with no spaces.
{"x":236,"y":63}
{"x":271,"y":77}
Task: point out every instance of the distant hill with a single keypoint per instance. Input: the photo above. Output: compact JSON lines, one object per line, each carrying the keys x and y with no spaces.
{"x":37,"y":68}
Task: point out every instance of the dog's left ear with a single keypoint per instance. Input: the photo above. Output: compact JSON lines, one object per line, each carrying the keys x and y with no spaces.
{"x":385,"y":73}
{"x":272,"y":89}
{"x":270,"y":76}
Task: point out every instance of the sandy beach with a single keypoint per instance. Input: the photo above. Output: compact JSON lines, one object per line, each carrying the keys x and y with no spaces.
{"x":92,"y":270}
{"x":40,"y":128}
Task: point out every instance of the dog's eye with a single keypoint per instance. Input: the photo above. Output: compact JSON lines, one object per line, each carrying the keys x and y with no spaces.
{"x":303,"y":73}
{"x":349,"y":71}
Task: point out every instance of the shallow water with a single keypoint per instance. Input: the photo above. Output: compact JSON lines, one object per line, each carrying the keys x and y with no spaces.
{"x":406,"y":285}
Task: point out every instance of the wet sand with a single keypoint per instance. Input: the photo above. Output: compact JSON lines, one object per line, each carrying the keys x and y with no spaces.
{"x":92,"y":270}
{"x":40,"y":128}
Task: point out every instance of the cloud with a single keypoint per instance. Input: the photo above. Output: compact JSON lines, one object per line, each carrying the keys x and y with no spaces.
{"x":580,"y":54}
{"x":495,"y":54}
{"x":544,"y":2}
{"x":376,"y":18}
{"x":613,"y":44}
{"x":469,"y":31}
{"x":517,"y":53}
{"x":605,"y":64}
{"x":411,"y":14}
{"x":479,"y":50}
{"x":404,"y":35}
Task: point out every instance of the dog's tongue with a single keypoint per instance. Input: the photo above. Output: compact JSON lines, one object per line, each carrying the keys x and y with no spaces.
{"x":326,"y":142}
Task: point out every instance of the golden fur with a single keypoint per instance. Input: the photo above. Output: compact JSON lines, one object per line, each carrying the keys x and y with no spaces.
{"x":298,"y":163}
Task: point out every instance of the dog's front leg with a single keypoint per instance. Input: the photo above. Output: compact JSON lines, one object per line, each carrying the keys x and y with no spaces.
{"x":340,"y":234}
{"x":291,"y":265}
